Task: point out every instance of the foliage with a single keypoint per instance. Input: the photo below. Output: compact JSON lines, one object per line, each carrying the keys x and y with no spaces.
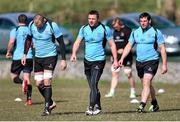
{"x":75,"y":11}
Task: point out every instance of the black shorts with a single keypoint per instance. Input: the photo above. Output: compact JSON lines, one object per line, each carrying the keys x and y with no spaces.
{"x":147,"y":67}
{"x":47,"y":63}
{"x":128,"y":61}
{"x":89,"y":66}
{"x":17,"y":67}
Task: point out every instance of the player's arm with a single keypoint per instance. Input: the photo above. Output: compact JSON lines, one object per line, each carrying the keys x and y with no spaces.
{"x":11,"y":43}
{"x":63,"y":63}
{"x":112,"y":45}
{"x":128,"y":47}
{"x":26,"y":48}
{"x":113,"y":49}
{"x":126,"y":51}
{"x":59,"y":38}
{"x":77,"y":43}
{"x":10,"y":47}
{"x":75,"y":48}
{"x":162,"y":49}
{"x":62,"y":47}
{"x":27,"y":44}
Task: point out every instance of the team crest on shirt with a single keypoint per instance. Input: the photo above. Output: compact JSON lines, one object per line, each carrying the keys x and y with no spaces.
{"x":99,"y":34}
{"x":150,"y":69}
{"x":122,"y":34}
{"x":118,"y":39}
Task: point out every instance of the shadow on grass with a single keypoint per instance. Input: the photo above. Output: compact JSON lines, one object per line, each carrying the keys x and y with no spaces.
{"x":172,"y":109}
{"x":114,"y":112}
{"x":57,"y":101}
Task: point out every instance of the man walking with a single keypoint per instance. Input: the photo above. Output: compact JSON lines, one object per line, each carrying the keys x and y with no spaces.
{"x":121,"y":35}
{"x":147,"y":40}
{"x":95,"y":36}
{"x":43,"y":33}
{"x":15,"y":50}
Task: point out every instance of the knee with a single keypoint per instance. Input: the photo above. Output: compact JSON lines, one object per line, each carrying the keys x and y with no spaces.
{"x":128,"y":72}
{"x":115,"y":70}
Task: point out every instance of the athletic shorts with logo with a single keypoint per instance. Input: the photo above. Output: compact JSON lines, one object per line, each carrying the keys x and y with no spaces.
{"x":94,"y":65}
{"x":147,"y":67}
{"x":47,"y":63}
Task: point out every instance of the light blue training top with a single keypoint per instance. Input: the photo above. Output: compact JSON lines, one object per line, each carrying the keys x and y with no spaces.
{"x":145,"y":43}
{"x":95,"y":41}
{"x":19,"y":34}
{"x":43,"y":39}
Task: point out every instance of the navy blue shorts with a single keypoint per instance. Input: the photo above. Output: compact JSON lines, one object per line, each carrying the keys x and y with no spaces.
{"x":128,"y":61}
{"x":147,"y":67}
{"x":47,"y":63}
{"x":17,"y":67}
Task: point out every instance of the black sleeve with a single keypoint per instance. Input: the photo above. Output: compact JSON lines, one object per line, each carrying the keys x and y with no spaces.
{"x":62,"y":47}
{"x":27,"y":44}
{"x":129,"y":30}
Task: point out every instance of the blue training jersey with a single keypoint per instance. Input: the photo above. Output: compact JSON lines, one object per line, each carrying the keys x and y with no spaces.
{"x":145,"y":41}
{"x":19,"y":34}
{"x":95,"y":41}
{"x":43,"y":39}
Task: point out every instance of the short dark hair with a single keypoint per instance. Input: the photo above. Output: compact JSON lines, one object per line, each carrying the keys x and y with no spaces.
{"x":145,"y":14}
{"x":22,"y":18}
{"x":39,"y":17}
{"x":94,"y":12}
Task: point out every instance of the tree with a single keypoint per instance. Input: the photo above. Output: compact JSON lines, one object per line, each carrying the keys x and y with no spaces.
{"x":169,"y":9}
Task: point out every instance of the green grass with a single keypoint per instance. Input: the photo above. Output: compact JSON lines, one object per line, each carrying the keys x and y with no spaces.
{"x":72,"y":98}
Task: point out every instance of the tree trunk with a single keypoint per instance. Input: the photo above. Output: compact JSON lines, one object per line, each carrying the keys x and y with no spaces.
{"x":169,"y":9}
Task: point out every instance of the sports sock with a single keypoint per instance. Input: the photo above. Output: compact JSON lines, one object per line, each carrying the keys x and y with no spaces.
{"x":29,"y":92}
{"x":47,"y":95}
{"x":41,"y":90}
{"x":154,"y":102}
{"x":112,"y":91}
{"x":143,"y":104}
{"x":98,"y":100}
{"x":132,"y":90}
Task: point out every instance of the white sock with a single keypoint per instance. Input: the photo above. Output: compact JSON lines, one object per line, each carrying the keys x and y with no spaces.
{"x":132,"y":90}
{"x":112,"y":91}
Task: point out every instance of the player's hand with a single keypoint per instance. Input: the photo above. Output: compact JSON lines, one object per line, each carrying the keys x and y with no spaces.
{"x":23,"y":60}
{"x":73,"y":58}
{"x":8,"y":55}
{"x":115,"y":64}
{"x":120,"y":62}
{"x":63,"y":65}
{"x":164,"y":69}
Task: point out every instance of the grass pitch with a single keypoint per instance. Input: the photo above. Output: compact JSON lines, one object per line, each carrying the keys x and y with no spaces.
{"x":72,"y":98}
